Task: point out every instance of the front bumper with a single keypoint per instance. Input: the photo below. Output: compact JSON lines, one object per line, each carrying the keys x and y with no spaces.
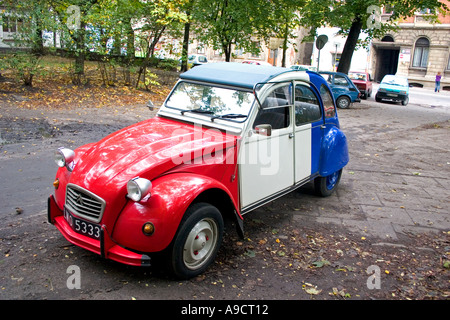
{"x":392,"y":96}
{"x":105,"y":247}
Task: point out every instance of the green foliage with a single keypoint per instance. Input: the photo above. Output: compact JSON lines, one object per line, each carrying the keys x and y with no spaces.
{"x":353,"y":17}
{"x":24,"y":65}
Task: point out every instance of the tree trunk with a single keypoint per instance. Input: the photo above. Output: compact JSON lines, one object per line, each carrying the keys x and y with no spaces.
{"x":38,"y":42}
{"x":184,"y":55}
{"x":131,"y":53}
{"x":78,"y":72}
{"x":130,"y":40}
{"x":286,"y":33}
{"x":350,"y":45}
{"x":227,"y":50}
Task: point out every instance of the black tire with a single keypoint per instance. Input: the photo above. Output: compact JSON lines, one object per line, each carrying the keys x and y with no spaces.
{"x":405,"y":102}
{"x":325,"y":186}
{"x":196,"y":242}
{"x":343,"y":102}
{"x":377,"y":99}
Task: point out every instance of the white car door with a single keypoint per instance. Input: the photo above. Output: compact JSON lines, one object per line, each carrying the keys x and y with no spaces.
{"x":308,"y":133}
{"x":266,"y":162}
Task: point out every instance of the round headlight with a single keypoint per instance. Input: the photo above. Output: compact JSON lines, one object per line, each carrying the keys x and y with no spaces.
{"x":138,"y":188}
{"x":64,"y":157}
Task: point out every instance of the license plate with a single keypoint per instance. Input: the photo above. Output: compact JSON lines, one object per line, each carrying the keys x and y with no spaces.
{"x":83,"y":227}
{"x":392,"y":95}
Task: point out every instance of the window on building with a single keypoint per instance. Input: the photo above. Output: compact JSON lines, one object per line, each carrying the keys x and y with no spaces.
{"x":9,"y":24}
{"x":448,"y":64}
{"x":421,"y":51}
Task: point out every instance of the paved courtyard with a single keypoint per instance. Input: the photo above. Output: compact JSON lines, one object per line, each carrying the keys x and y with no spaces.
{"x":391,"y":211}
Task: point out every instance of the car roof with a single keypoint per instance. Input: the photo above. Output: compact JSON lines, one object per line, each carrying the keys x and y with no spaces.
{"x":332,"y":72}
{"x":233,"y":74}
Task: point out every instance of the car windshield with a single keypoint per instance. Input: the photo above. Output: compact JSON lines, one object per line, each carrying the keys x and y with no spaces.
{"x":396,"y":81}
{"x":215,"y":102}
{"x":357,"y":76}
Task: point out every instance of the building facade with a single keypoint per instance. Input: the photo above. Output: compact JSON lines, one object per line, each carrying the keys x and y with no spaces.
{"x":418,"y":50}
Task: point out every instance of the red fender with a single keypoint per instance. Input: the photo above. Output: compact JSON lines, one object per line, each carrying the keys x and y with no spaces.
{"x":170,"y":197}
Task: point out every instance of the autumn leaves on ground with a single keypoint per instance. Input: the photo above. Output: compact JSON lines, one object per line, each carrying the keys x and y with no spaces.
{"x":53,"y":89}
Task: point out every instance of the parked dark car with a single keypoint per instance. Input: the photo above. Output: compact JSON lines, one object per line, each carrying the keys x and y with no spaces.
{"x":363,"y":81}
{"x":344,"y":90}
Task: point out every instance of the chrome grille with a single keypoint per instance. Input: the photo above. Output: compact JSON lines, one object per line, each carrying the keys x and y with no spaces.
{"x":84,"y":203}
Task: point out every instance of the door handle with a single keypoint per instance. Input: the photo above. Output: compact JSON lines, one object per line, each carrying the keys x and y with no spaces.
{"x":291,"y":135}
{"x":323,"y":126}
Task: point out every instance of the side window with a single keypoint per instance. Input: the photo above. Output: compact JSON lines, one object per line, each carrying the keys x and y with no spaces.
{"x":307,"y":108}
{"x":328,"y":104}
{"x":275,"y":108}
{"x":340,"y":81}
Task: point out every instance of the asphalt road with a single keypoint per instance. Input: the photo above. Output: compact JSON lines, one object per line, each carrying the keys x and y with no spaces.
{"x":424,"y":97}
{"x":396,"y":184}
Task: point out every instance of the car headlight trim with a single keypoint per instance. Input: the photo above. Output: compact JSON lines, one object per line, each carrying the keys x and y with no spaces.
{"x":138,"y":188}
{"x":64,"y":157}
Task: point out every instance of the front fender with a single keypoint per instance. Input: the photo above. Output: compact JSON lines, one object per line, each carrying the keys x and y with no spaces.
{"x":171,"y":195}
{"x":334,"y":152}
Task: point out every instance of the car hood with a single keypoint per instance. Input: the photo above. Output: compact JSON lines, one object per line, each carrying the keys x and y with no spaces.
{"x":393,"y":88}
{"x":146,"y":149}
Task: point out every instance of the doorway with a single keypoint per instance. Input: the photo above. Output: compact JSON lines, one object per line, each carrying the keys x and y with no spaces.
{"x":387,"y":62}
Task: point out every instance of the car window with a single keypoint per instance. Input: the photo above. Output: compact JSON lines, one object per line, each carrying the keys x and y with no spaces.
{"x":340,"y":80}
{"x":357,"y":76}
{"x":328,"y":77}
{"x":328,"y":104}
{"x":307,"y":108}
{"x":275,"y":108}
{"x":211,"y":101}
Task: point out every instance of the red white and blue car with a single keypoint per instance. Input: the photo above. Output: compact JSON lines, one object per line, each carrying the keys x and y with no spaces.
{"x":229,"y":138}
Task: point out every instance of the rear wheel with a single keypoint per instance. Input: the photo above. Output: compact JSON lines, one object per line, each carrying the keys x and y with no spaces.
{"x":343,"y":102}
{"x":197,"y":241}
{"x":324,"y":186}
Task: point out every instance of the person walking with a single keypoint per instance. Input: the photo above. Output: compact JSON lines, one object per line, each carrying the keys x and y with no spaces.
{"x":438,"y":82}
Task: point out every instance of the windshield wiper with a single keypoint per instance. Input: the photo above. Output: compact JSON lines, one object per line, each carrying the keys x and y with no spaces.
{"x":230,"y":116}
{"x":197,"y":111}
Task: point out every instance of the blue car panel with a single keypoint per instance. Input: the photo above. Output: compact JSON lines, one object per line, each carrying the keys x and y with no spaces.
{"x":344,"y":90}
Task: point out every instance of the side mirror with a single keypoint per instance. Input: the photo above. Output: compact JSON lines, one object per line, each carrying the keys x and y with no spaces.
{"x":150,"y":105}
{"x":264,"y":130}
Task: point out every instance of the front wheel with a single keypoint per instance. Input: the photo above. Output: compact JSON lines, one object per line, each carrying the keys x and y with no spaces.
{"x":197,"y":241}
{"x":324,"y":186}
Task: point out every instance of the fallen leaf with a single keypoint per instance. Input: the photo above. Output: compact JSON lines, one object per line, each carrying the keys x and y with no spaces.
{"x":312,"y":290}
{"x":320,"y":263}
